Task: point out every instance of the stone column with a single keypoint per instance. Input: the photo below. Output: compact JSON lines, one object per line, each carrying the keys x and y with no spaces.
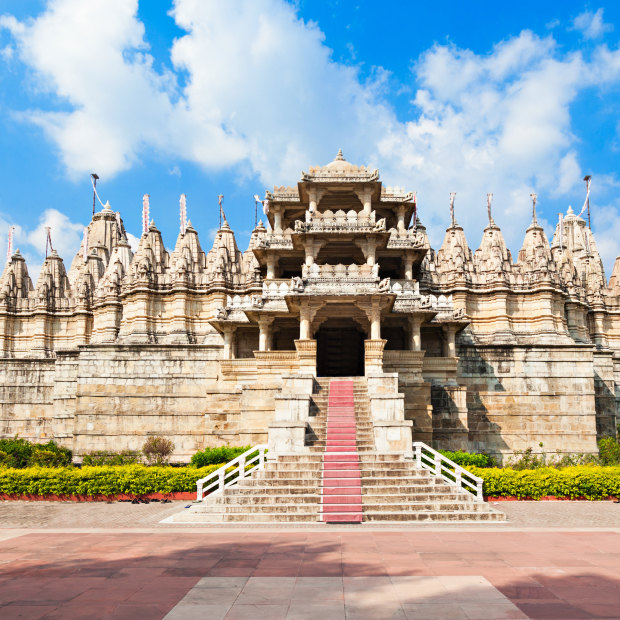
{"x":415,"y":343}
{"x":312,"y":199}
{"x":305,"y":317}
{"x":366,"y":200}
{"x":277,"y":220}
{"x":375,"y":322}
{"x":306,"y":354}
{"x":229,"y":342}
{"x":264,"y":327}
{"x":400,"y":218}
{"x":450,"y":341}
{"x":408,"y":260}
{"x":271,"y":266}
{"x":373,"y":356}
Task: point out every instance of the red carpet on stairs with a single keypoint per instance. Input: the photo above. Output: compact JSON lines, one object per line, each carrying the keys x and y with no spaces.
{"x":342,"y":488}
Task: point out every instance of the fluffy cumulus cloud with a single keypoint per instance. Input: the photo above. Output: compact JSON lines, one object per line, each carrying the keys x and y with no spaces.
{"x":591,"y":25}
{"x":262,"y":92}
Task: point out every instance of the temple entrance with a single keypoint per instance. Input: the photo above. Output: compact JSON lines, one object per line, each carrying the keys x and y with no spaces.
{"x":340,"y":350}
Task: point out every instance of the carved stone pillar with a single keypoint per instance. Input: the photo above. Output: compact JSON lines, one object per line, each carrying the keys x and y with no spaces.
{"x":277,"y":220}
{"x":368,"y":248}
{"x":449,"y":349}
{"x":415,"y":342}
{"x":365,"y":196}
{"x":312,"y":248}
{"x":408,"y":262}
{"x":230,"y":333}
{"x":306,"y":353}
{"x":264,"y":329}
{"x":400,"y":218}
{"x":271,"y":266}
{"x":375,"y":321}
{"x":373,"y":355}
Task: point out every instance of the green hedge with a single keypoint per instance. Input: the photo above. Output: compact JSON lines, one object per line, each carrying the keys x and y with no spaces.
{"x":221,"y":454}
{"x":90,"y":481}
{"x":591,"y":482}
{"x":466,"y":459}
{"x":18,"y":452}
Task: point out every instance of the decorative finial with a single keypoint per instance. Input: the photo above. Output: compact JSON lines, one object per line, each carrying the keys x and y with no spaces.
{"x":534,"y":198}
{"x":106,"y":206}
{"x":339,"y":157}
{"x":489,"y":202}
{"x":183,"y":213}
{"x":452,"y":218}
{"x":145,"y":214}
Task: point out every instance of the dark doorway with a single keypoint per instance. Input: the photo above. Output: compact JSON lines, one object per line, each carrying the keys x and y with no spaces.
{"x":340,"y":352}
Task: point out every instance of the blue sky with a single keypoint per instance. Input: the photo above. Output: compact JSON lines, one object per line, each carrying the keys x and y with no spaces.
{"x":203,"y":98}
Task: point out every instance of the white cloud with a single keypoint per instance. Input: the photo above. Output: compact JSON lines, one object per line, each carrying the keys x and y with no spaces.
{"x":133,"y":241}
{"x":591,"y":25}
{"x":263,"y":92}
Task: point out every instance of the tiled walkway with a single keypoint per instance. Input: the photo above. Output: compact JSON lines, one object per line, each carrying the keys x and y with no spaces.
{"x":371,"y":574}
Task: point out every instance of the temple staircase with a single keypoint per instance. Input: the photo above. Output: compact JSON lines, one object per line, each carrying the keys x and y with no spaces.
{"x":340,"y":479}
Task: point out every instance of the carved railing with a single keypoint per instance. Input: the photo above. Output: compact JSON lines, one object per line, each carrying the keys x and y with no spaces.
{"x":227,"y":475}
{"x":340,"y":221}
{"x":275,"y":242}
{"x":455,"y":475}
{"x":406,"y":241}
{"x":362,"y":273}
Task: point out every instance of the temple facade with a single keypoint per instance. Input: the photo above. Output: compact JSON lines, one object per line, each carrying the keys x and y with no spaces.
{"x":460,"y":349}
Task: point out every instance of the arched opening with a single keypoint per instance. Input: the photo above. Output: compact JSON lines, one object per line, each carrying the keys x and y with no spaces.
{"x":340,"y":348}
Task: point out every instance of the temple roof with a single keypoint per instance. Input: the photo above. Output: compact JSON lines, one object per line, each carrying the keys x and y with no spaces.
{"x":340,"y":170}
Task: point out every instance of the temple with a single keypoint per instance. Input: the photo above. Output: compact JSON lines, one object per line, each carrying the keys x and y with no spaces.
{"x":457,"y":348}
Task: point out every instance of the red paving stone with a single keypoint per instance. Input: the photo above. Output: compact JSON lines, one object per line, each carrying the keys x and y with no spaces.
{"x":144,"y":575}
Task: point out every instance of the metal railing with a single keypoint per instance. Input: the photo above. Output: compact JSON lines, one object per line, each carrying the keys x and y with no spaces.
{"x":229,"y":474}
{"x":452,"y":473}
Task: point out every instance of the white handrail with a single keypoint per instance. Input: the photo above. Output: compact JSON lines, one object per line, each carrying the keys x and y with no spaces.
{"x":221,"y":478}
{"x":452,"y":473}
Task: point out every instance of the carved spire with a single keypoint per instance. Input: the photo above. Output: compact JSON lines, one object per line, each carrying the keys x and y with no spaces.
{"x":339,"y":156}
{"x":15,"y":282}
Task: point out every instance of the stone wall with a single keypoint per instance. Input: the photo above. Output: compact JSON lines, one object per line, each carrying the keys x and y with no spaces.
{"x":520,"y":396}
{"x":26,"y":398}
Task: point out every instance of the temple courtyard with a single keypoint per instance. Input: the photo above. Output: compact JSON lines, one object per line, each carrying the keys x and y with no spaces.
{"x":117,"y":560}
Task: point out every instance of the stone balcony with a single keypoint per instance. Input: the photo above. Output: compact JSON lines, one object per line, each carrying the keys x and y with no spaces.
{"x":273,"y":241}
{"x":407,"y":240}
{"x":340,"y":222}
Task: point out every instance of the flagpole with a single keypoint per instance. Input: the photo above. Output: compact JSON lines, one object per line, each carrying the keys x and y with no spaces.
{"x":588,"y":179}
{"x":220,"y":197}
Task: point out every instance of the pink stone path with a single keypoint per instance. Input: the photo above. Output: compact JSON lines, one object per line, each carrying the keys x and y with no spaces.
{"x":342,"y":485}
{"x":145,"y":574}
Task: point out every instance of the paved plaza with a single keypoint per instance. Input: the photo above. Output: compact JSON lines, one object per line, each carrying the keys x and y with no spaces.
{"x":550,"y":560}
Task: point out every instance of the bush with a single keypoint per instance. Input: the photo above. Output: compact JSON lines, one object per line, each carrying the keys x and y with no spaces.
{"x":133,"y":480}
{"x":157,"y":450}
{"x":101,"y":457}
{"x":19,"y":453}
{"x":589,"y":481}
{"x":609,"y":451}
{"x":219,"y":455}
{"x":465,"y":459}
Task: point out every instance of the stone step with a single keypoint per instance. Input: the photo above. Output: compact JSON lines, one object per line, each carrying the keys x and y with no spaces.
{"x":433,"y":516}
